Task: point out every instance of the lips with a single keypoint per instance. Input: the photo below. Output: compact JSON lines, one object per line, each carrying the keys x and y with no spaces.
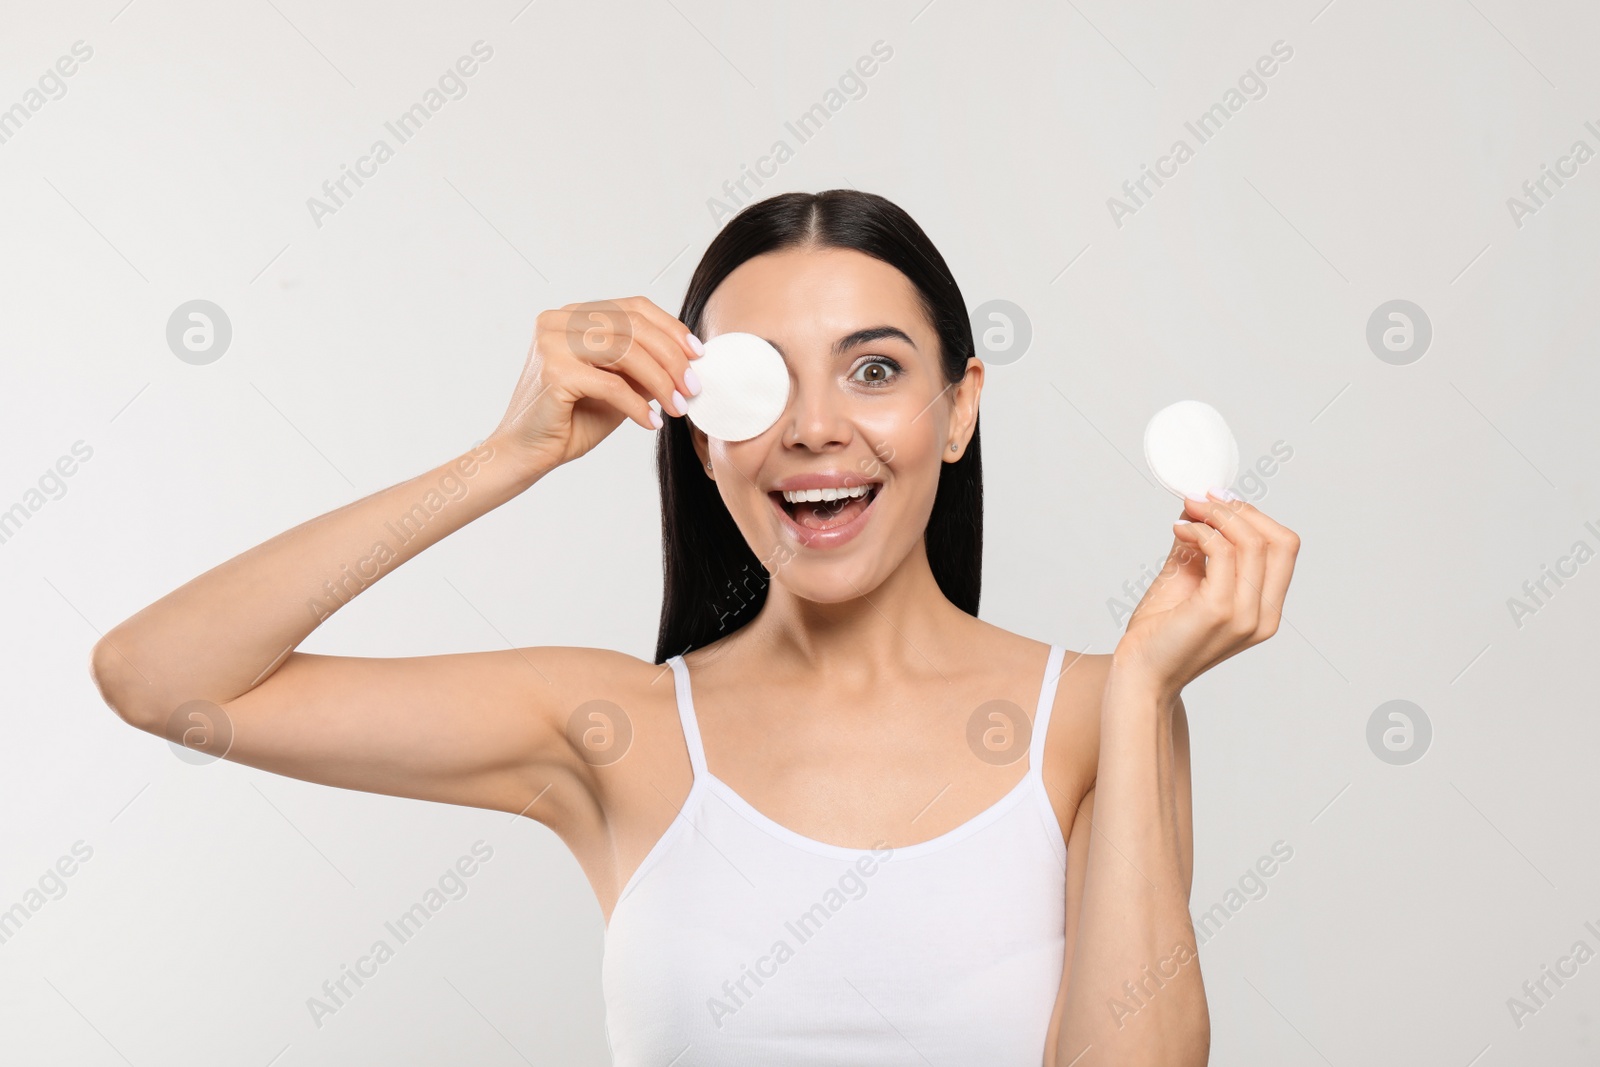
{"x":823,"y":523}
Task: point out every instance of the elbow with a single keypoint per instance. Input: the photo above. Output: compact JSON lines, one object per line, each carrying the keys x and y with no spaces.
{"x":120,"y":684}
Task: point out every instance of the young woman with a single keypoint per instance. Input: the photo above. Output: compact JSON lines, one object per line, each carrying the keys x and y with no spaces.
{"x":848,"y":822}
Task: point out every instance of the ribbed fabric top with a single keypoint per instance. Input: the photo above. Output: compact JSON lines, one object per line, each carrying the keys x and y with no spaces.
{"x":740,"y":942}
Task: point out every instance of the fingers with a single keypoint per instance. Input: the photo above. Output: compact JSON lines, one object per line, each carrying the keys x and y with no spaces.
{"x":1250,"y":562}
{"x":632,"y":338}
{"x":1264,"y":552}
{"x":667,"y":324}
{"x":641,"y":313}
{"x":1283,"y":545}
{"x":1217,"y":587}
{"x":658,"y":354}
{"x":615,"y":390}
{"x":1245,"y":550}
{"x":1185,"y":558}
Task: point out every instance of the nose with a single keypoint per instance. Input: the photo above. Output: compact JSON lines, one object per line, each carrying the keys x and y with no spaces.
{"x":817,"y":418}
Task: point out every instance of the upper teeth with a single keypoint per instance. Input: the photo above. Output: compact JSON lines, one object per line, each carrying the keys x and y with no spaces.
{"x":801,"y":496}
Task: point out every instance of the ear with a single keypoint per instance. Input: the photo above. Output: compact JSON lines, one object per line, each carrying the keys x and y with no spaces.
{"x":702,"y":448}
{"x":964,"y":409}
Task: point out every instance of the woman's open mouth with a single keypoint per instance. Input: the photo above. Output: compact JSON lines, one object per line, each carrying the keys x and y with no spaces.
{"x":825,"y":518}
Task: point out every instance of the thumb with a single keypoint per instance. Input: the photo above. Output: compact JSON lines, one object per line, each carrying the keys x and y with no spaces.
{"x":1186,"y":558}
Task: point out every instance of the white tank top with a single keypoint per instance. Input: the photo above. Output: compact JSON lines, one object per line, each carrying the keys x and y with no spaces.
{"x":738,"y":941}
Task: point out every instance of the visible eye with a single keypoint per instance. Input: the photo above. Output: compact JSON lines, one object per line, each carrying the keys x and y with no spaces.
{"x":883,"y":371}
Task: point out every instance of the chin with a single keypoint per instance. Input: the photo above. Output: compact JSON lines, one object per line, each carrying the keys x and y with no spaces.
{"x":829,"y":584}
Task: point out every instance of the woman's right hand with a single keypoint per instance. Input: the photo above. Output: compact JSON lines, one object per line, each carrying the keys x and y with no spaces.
{"x":590,"y":366}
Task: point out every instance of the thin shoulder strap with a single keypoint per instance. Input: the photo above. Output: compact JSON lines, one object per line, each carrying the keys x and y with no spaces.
{"x":691,"y":728}
{"x":1047,"y":700}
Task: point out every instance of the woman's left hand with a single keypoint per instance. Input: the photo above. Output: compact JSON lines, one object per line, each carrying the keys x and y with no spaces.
{"x":1220,"y":591}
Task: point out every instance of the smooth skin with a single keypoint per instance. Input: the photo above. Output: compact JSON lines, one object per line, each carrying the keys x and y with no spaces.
{"x":840,"y":710}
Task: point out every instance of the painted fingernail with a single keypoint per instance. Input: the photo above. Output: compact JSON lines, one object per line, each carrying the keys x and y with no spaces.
{"x":694,"y":343}
{"x":1227,"y":496}
{"x":691,"y":381}
{"x":655,"y":418}
{"x":677,"y":402}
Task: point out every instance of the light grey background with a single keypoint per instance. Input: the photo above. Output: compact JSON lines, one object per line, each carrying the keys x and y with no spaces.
{"x":579,"y":165}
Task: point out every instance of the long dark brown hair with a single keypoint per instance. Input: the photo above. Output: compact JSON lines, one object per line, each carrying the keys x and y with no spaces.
{"x":713,"y":583}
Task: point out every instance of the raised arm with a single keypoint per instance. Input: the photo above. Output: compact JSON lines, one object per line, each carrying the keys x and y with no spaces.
{"x":217,"y":655}
{"x":1132,"y":994}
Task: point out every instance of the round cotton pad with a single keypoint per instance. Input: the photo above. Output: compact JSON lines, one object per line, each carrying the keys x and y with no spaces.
{"x":744,"y":387}
{"x":1190,"y":449}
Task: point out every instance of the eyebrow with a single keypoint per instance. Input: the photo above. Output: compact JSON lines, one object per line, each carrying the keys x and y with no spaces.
{"x":859,"y":337}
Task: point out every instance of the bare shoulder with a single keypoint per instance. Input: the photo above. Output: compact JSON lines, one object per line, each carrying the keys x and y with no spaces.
{"x":571,"y":670}
{"x":1072,"y":747}
{"x":619,"y":715}
{"x":625,"y":746}
{"x":602,"y":706}
{"x":1072,"y":740}
{"x":600,"y":698}
{"x":1077,"y":693}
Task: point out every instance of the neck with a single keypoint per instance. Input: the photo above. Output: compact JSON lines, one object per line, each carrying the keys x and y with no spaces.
{"x":903,"y":622}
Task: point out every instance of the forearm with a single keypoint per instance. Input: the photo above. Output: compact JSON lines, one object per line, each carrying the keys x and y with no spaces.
{"x":220,"y":634}
{"x":1134,"y":994}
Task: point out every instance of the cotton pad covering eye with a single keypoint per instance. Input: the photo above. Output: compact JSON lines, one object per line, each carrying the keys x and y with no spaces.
{"x":744,"y":387}
{"x":1189,"y":448}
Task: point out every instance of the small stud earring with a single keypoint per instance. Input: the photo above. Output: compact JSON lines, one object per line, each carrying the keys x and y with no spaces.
{"x":952,"y":446}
